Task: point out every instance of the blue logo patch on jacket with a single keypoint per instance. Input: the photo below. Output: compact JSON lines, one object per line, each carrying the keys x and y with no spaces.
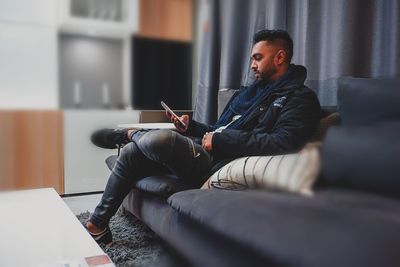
{"x":280,"y":102}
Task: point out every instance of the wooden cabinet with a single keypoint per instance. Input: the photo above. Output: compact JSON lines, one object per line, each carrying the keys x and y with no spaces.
{"x":166,"y":19}
{"x":52,"y":149}
{"x":31,"y":150}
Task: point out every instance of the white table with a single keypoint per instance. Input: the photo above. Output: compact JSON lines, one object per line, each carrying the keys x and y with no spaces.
{"x":162,"y":125}
{"x":38,"y":229}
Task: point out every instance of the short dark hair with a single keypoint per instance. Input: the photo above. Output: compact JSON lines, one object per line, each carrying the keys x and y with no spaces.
{"x":281,"y":37}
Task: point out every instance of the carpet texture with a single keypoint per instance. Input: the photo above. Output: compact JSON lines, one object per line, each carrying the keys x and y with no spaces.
{"x":134,"y":244}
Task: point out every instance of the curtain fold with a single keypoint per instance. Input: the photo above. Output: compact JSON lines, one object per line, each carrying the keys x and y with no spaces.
{"x":209,"y":62}
{"x":331,"y":38}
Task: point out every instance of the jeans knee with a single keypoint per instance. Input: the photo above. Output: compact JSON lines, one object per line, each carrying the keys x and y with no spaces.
{"x":157,"y":144}
{"x":127,"y":151}
{"x":126,"y":159}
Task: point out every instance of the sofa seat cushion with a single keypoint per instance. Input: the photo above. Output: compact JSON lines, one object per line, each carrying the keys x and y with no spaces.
{"x":334,"y":228}
{"x":162,"y":185}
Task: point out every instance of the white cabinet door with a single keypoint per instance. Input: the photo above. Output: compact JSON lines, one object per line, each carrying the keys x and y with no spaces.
{"x":28,"y":67}
{"x":84,"y":166}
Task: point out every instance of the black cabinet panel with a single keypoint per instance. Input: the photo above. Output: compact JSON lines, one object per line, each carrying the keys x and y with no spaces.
{"x":162,"y":70}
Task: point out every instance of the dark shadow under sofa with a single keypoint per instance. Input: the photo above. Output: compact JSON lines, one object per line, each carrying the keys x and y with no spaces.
{"x":353,"y":219}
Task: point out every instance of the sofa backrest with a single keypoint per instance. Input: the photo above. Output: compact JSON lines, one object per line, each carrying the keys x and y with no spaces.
{"x":363,"y":152}
{"x":224,"y":95}
{"x":362,"y":101}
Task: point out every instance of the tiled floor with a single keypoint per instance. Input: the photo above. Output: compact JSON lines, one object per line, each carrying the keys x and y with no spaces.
{"x":79,"y":204}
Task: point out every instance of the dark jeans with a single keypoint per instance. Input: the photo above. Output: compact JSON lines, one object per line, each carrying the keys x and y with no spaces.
{"x":151,"y":153}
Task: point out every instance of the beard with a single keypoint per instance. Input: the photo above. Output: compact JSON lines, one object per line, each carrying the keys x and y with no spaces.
{"x":265,"y":76}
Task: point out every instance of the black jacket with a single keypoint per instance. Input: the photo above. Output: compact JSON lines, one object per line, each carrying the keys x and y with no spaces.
{"x":285,"y":120}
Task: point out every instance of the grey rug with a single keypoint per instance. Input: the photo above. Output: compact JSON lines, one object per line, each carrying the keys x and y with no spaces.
{"x":134,"y":244}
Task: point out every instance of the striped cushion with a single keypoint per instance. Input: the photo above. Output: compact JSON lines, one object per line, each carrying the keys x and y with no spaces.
{"x":294,"y":173}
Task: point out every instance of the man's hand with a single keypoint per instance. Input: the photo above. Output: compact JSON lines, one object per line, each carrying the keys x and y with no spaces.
{"x":206,"y":142}
{"x":178,"y":125}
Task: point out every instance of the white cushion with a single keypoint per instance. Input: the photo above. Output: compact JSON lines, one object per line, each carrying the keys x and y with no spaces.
{"x":294,"y":173}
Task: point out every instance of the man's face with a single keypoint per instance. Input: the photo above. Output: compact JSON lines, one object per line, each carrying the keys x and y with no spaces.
{"x":263,"y":61}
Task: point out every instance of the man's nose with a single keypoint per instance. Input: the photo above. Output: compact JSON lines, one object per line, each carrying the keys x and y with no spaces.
{"x":253,"y":65}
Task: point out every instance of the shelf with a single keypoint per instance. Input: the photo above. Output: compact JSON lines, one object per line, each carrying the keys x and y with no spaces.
{"x":91,"y":27}
{"x":97,"y":27}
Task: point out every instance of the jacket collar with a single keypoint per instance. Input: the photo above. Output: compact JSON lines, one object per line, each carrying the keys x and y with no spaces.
{"x":296,"y":75}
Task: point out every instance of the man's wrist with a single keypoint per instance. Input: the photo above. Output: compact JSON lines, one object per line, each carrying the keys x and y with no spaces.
{"x":129,"y":134}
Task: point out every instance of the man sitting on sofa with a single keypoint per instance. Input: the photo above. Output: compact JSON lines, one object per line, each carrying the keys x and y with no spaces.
{"x":275,"y":115}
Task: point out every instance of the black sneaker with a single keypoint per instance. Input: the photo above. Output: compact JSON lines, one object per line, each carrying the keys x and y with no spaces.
{"x":110,"y":138}
{"x":104,"y":237}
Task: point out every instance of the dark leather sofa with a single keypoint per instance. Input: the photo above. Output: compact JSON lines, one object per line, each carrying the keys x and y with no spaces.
{"x":352,"y":220}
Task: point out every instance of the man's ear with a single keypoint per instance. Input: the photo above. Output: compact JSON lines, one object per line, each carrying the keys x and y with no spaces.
{"x":280,"y":57}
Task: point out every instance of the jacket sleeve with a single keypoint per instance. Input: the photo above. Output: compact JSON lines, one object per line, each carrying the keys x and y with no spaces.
{"x":294,"y":126}
{"x":197,"y":129}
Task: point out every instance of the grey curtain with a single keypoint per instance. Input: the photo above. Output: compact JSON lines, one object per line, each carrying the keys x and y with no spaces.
{"x":332,"y":38}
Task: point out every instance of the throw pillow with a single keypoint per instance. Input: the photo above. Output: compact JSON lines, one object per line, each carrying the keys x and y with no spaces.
{"x":324,"y":124}
{"x":293,"y":173}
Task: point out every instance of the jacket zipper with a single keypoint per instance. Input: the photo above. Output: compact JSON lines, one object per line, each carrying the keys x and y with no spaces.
{"x":262,"y":107}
